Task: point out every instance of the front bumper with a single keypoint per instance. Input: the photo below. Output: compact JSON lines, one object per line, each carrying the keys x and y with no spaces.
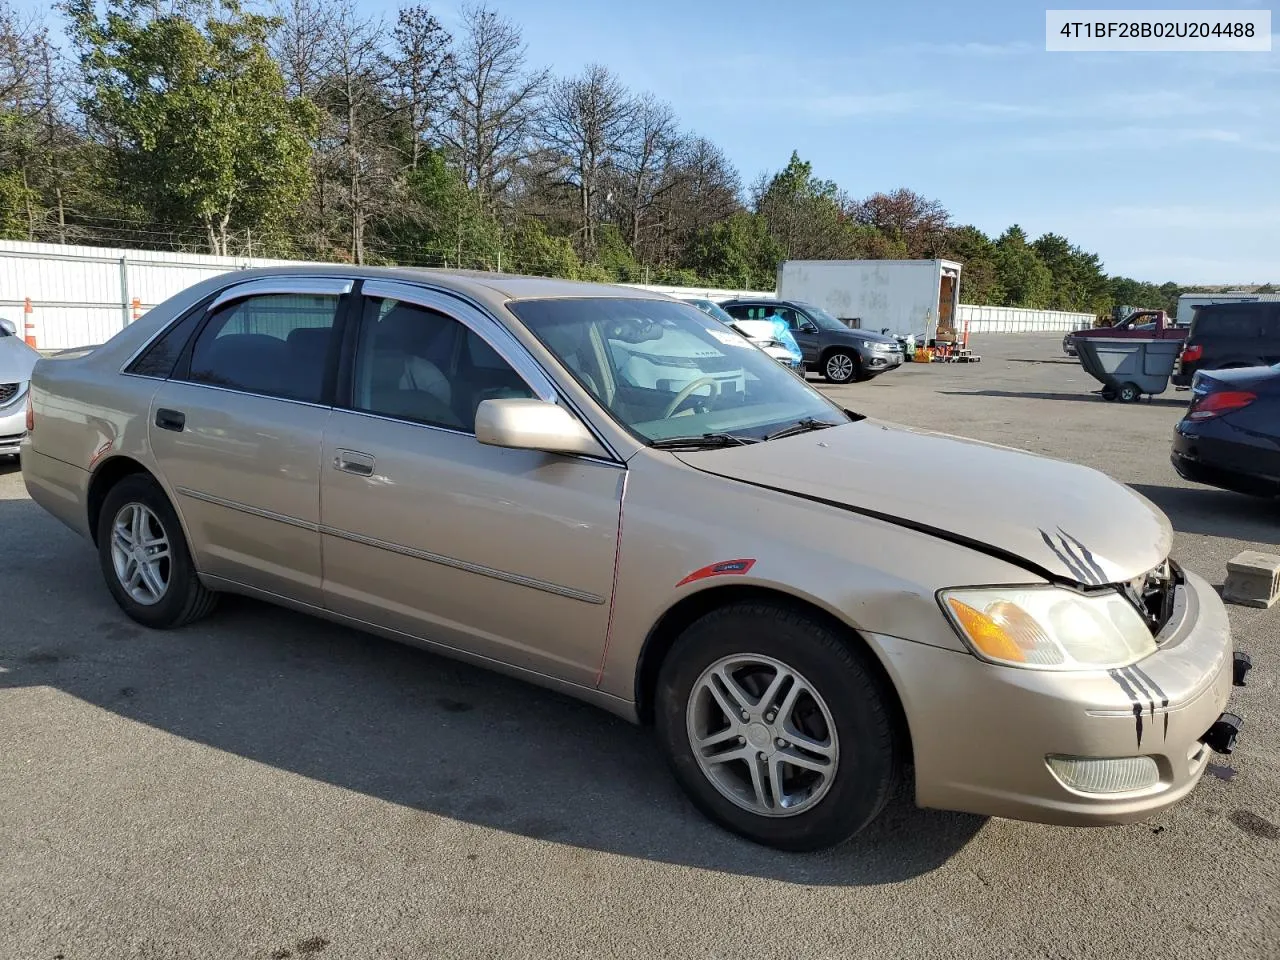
{"x":878,"y":362}
{"x":981,"y":734}
{"x":13,"y":426}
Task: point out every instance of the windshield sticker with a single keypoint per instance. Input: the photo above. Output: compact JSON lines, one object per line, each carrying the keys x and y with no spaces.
{"x":730,"y":339}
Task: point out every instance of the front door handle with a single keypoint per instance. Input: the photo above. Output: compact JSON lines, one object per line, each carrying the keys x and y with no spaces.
{"x":174,"y":420}
{"x":352,"y":461}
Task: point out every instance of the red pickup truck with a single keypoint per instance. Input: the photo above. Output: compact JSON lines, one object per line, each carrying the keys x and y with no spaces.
{"x":1141,"y":324}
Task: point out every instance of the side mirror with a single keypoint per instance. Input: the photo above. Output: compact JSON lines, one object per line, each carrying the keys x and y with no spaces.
{"x":534,"y":425}
{"x":807,"y":327}
{"x":9,"y":327}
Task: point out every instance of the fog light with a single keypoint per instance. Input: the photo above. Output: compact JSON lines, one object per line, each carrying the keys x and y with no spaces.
{"x":1111,"y":775}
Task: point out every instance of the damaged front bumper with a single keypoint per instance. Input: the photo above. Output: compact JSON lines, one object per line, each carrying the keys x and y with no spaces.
{"x":1096,"y":747}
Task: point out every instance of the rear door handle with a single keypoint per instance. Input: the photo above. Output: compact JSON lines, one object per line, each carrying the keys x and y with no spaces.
{"x":352,"y":461}
{"x":174,"y":420}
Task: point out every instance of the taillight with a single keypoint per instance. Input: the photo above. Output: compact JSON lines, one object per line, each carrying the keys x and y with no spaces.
{"x":1211,"y":405}
{"x":1192,"y":353}
{"x":31,"y":413}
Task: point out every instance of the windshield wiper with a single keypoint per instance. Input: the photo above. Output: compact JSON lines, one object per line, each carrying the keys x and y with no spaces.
{"x":800,"y":426}
{"x":705,"y":440}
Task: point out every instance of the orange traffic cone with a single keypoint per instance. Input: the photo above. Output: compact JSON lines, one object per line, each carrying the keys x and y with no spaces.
{"x":29,"y":324}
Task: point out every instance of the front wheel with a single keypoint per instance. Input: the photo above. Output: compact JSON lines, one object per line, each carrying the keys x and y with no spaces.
{"x":144,"y":557}
{"x":840,"y":367}
{"x":778,"y":726}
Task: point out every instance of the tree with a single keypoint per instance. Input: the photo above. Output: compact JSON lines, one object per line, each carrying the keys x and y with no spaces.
{"x":357,"y":122}
{"x":534,"y":251}
{"x":980,"y":276}
{"x":300,"y":43}
{"x":807,"y":217}
{"x":421,"y":65}
{"x":440,"y":221}
{"x":492,"y":99}
{"x":736,"y":252}
{"x":196,"y":115}
{"x":1078,"y":282}
{"x":908,"y":220}
{"x":584,"y":121}
{"x":649,"y":157}
{"x":1023,"y":275}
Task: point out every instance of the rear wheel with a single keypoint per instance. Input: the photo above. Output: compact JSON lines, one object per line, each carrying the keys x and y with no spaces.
{"x":841,"y":366}
{"x":777,"y":727}
{"x":144,"y":557}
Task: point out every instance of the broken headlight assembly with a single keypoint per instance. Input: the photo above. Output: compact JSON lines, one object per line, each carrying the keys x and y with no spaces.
{"x":1048,"y":628}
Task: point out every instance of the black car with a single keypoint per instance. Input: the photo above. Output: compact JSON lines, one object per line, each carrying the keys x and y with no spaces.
{"x":1225,"y":336}
{"x":1230,"y":435}
{"x":839,"y":352}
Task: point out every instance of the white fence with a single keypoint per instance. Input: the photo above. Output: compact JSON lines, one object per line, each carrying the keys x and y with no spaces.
{"x":1019,"y":320}
{"x":84,"y":295}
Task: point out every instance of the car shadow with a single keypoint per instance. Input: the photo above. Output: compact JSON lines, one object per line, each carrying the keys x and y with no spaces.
{"x":10,"y":465}
{"x":400,"y":724}
{"x":1216,"y":513}
{"x":1087,"y":397}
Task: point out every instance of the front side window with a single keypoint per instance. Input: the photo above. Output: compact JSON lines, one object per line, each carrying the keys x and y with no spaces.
{"x":274,"y":344}
{"x":414,"y":363}
{"x":821,"y":319}
{"x":664,"y":369}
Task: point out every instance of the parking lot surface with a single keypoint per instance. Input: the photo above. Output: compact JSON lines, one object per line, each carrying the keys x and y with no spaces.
{"x":264,"y":785}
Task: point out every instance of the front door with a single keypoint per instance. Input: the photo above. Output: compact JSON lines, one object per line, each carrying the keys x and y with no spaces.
{"x":806,"y":333}
{"x":508,"y":554}
{"x":237,"y":433}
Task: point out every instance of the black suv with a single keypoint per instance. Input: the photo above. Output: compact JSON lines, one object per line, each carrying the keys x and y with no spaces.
{"x":1226,"y":335}
{"x":839,"y":352}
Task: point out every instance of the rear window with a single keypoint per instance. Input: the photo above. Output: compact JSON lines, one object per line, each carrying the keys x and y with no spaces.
{"x":1229,"y":320}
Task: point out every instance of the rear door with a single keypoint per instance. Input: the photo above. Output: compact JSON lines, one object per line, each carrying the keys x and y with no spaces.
{"x":1270,"y":350}
{"x":238,"y":428}
{"x":508,"y":554}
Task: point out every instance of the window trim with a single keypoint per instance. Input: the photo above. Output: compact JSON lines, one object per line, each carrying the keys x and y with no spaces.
{"x":472,"y":316}
{"x":297,"y":286}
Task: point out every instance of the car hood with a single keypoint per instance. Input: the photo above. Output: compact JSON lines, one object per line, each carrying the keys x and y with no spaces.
{"x":1057,"y":519}
{"x":17,"y":360}
{"x":867,"y":335}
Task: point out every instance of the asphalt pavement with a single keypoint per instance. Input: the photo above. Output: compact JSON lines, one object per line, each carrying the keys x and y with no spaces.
{"x":264,"y":785}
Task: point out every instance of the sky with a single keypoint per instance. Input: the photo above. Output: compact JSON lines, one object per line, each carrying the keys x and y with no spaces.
{"x":1164,"y":164}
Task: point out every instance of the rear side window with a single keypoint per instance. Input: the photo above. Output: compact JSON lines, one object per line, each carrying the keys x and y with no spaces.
{"x":1228,"y":321}
{"x":275,"y":344}
{"x":159,"y":359}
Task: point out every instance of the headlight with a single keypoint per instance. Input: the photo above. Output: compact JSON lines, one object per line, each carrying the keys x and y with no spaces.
{"x":1049,"y":628}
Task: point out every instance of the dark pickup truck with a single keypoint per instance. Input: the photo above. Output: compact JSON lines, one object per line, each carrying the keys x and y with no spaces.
{"x":1141,"y":324}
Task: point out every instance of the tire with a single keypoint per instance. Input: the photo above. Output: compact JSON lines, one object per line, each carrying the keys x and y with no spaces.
{"x":750,"y":641}
{"x":183,"y":598}
{"x":841,"y":366}
{"x":1109,"y":394}
{"x":1129,"y":392}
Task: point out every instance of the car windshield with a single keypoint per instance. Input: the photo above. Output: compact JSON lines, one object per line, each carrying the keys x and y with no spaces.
{"x":712,"y":309}
{"x":664,"y":369}
{"x":824,"y":320}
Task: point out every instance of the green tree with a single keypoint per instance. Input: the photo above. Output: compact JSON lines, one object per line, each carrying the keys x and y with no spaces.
{"x":736,"y":252}
{"x":440,"y":220}
{"x":807,"y":217}
{"x":1079,"y":282}
{"x":201,"y":132}
{"x":1023,"y":275}
{"x":532,"y":250}
{"x":980,"y":276}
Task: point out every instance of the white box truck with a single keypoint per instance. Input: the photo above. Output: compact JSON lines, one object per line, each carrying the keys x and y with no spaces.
{"x":900,"y":297}
{"x":1188,"y":302}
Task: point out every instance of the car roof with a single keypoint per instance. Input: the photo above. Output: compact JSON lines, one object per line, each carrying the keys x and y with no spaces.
{"x":478,"y":284}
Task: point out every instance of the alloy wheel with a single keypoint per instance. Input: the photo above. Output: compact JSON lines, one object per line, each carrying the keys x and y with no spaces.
{"x":140,"y":553}
{"x":840,"y":367}
{"x":762,"y":735}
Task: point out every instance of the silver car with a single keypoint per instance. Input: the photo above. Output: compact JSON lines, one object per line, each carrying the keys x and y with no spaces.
{"x":17,"y":360}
